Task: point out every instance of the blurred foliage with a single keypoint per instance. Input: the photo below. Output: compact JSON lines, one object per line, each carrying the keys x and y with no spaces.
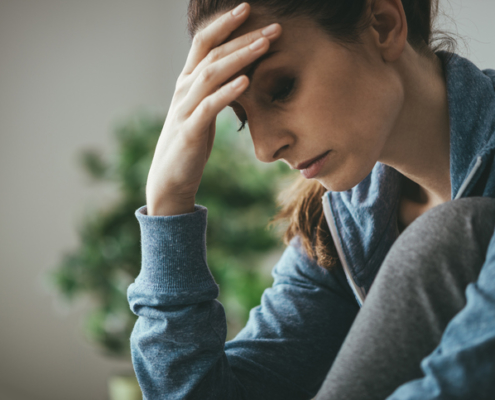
{"x":239,"y":193}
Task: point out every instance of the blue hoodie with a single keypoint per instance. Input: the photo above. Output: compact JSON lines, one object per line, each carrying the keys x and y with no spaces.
{"x":291,"y":340}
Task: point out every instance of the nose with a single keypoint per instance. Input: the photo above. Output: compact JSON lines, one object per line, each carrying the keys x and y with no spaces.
{"x":270,"y":144}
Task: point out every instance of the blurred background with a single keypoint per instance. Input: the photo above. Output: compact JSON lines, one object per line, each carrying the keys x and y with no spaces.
{"x":82,"y":86}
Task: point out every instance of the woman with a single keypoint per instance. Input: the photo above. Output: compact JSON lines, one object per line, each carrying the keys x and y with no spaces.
{"x":388,"y":134}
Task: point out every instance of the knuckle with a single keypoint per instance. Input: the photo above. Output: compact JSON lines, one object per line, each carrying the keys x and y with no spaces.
{"x":205,"y":107}
{"x":180,"y":92}
{"x":213,"y":55}
{"x":181,"y":78}
{"x":240,"y":55}
{"x":206,"y":75}
{"x":251,"y":37}
{"x":179,"y":84}
{"x":199,"y":39}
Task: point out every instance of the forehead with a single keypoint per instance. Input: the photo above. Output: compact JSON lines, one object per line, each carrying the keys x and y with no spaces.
{"x":300,"y":39}
{"x":257,"y":19}
{"x":292,"y":27}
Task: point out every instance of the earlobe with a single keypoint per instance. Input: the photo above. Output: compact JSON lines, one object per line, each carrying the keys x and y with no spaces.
{"x":389,"y":26}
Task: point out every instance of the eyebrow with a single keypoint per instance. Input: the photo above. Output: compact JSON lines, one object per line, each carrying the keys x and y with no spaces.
{"x":250,"y":72}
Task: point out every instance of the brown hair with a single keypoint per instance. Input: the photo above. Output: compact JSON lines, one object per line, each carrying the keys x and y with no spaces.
{"x":343,"y":20}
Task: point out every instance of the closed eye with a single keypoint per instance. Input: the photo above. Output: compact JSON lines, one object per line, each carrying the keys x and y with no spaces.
{"x":286,"y":88}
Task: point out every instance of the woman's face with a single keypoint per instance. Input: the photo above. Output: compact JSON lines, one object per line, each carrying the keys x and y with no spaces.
{"x":312,"y":95}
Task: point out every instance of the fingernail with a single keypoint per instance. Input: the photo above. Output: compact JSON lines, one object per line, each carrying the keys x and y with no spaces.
{"x":239,"y":9}
{"x":256,"y":45}
{"x":269,"y":30}
{"x":237,"y":82}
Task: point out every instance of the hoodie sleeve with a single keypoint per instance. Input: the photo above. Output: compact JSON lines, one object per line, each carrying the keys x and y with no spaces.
{"x":463,"y":364}
{"x":178,"y":343}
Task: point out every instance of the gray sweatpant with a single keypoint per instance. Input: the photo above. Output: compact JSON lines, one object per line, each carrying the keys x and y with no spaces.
{"x":420,"y":287}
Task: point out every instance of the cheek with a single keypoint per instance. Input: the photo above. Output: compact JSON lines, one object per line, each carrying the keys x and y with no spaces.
{"x":357,"y":113}
{"x":359,"y":108}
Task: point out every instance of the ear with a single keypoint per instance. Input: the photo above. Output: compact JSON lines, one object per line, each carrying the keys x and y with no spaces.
{"x":389,"y":28}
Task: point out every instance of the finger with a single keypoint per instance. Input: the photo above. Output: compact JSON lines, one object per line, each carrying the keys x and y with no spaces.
{"x":209,"y":108}
{"x":214,"y":34}
{"x":271,"y":32}
{"x":213,"y":76}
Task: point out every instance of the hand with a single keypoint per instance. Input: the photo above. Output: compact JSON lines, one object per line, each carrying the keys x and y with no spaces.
{"x":186,"y":140}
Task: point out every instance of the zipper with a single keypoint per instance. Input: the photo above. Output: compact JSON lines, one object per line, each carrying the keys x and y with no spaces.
{"x":357,"y":290}
{"x":468,"y":180}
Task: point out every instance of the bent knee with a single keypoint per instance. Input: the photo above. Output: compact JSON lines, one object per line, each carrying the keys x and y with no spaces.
{"x":455,"y":232}
{"x":457,"y":217}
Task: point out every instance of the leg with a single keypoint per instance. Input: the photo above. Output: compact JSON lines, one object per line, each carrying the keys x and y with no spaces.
{"x":418,"y":290}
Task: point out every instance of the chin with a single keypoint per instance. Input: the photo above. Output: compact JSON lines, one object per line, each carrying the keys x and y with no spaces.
{"x":333,"y":187}
{"x":343,"y":183}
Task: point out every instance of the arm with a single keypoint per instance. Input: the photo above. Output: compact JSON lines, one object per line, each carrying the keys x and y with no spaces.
{"x":178,"y":343}
{"x":463,"y":364}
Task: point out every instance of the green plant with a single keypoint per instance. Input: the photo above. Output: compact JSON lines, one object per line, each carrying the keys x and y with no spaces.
{"x":239,"y":193}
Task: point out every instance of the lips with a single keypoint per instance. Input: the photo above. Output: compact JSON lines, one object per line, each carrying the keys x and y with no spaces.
{"x":306,"y":164}
{"x":313,"y":169}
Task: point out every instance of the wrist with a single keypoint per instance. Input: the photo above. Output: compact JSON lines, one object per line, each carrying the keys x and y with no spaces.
{"x":171,"y":208}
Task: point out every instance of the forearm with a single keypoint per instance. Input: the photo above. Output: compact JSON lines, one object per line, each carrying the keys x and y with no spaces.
{"x":173,"y":343}
{"x":176,"y":352}
{"x":178,"y":343}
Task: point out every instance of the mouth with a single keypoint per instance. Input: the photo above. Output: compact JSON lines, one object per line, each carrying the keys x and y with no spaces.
{"x":306,"y":164}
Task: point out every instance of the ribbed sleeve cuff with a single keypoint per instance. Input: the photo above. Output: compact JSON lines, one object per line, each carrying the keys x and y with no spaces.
{"x":173,"y":251}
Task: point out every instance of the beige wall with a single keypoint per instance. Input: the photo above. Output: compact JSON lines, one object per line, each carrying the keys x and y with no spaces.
{"x":68,"y":70}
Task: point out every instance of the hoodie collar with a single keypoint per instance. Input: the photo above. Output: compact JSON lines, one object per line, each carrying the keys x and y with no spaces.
{"x":471,"y":99}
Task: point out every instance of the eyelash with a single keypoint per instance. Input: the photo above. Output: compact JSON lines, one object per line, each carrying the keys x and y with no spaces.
{"x":243,"y":125}
{"x":282,"y":95}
